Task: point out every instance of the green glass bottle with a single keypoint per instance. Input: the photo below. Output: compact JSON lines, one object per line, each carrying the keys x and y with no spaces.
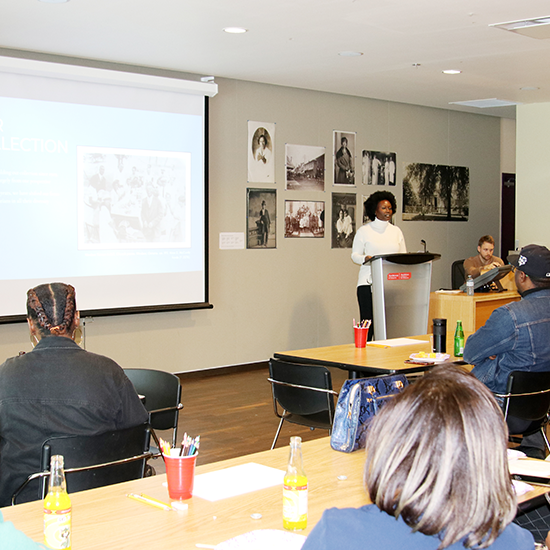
{"x":459,"y":340}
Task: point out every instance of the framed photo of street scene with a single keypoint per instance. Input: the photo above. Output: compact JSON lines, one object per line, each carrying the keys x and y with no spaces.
{"x":304,"y":168}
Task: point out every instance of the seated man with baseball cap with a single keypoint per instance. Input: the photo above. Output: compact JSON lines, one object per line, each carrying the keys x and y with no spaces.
{"x":517,"y":335}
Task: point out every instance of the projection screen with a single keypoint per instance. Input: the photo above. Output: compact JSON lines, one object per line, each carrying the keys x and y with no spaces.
{"x":103,"y":185}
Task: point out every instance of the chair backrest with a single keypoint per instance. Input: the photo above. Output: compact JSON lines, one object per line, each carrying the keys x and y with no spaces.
{"x":536,"y":404}
{"x":301,"y":400}
{"x":162,"y":391}
{"x":458,"y":277}
{"x":92,"y":453}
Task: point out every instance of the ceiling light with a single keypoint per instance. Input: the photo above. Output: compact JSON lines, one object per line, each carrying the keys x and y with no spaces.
{"x":529,"y":88}
{"x":451,"y":71}
{"x":235,"y":30}
{"x":350,"y":54}
{"x":54,"y":1}
{"x":538,"y":27}
{"x":484,"y":103}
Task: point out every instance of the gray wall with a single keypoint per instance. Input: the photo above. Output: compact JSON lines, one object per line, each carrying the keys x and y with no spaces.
{"x":303,"y":293}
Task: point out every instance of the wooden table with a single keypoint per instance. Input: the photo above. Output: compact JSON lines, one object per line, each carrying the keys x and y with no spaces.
{"x":370,"y":360}
{"x":105,"y":517}
{"x":473,"y":311}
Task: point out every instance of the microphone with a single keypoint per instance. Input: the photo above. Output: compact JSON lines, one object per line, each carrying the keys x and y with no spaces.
{"x":423,"y":242}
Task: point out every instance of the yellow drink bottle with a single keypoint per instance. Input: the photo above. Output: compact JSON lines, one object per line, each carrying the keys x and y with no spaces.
{"x":57,"y":508}
{"x":295,"y":489}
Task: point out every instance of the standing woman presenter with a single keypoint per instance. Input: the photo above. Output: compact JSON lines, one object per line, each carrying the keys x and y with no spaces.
{"x":378,"y":236}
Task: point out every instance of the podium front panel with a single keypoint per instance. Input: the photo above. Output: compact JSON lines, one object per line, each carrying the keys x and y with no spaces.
{"x":401,"y":298}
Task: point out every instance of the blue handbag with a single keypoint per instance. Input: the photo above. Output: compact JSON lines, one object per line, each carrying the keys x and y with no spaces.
{"x":359,"y":400}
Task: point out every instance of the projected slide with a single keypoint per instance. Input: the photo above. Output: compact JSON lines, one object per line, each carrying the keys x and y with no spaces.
{"x":92,"y":191}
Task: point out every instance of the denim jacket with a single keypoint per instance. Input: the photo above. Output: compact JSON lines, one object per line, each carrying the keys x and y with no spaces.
{"x":518,"y":334}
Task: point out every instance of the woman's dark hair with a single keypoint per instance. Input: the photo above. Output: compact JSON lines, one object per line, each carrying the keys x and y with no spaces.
{"x":52,"y":308}
{"x":371,"y":204}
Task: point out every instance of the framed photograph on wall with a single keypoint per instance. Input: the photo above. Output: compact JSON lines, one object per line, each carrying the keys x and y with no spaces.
{"x":378,"y":168}
{"x":304,"y":219}
{"x":261,"y":152}
{"x":436,"y":192}
{"x":343,"y":219}
{"x":344,"y":157}
{"x":304,"y":168}
{"x":261,"y":218}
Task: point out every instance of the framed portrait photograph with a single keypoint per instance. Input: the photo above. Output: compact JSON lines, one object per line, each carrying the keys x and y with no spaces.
{"x":261,"y":152}
{"x":343,"y":219}
{"x":304,"y":219}
{"x":344,"y":157}
{"x":261,"y":218}
{"x":304,"y":168}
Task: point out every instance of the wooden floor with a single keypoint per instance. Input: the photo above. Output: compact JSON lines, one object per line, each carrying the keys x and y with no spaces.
{"x":233,"y":413}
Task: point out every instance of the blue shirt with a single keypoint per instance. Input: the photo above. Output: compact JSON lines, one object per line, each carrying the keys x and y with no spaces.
{"x":13,"y":539}
{"x":518,"y":334}
{"x":368,"y":527}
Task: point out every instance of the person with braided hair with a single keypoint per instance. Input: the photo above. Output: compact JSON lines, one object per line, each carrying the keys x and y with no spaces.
{"x":57,"y":389}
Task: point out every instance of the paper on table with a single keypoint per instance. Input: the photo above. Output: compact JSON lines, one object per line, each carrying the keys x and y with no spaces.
{"x":394,"y":342}
{"x":520,"y":487}
{"x":267,"y":539}
{"x":237,"y":480}
{"x":529,"y":467}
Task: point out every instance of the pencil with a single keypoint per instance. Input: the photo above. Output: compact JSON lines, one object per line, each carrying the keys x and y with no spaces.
{"x":150,"y":501}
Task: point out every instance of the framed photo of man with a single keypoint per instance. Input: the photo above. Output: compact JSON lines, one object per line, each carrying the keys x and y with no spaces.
{"x":261,"y":218}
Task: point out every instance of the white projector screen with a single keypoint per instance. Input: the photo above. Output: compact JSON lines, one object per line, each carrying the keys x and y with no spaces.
{"x":103,"y":185}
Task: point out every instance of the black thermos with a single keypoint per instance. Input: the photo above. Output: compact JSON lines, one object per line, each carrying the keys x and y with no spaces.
{"x":439,"y":330}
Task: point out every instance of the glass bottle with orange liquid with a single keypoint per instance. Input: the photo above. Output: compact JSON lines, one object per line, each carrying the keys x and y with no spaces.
{"x":295,"y":489}
{"x":57,"y":509}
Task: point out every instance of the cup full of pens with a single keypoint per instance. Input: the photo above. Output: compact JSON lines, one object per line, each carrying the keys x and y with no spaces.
{"x":361,"y":332}
{"x":180,"y":466}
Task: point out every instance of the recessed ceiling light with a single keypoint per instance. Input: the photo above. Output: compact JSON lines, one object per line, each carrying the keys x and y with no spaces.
{"x":235,"y":30}
{"x":538,"y":27}
{"x":484,"y":103}
{"x":54,"y":1}
{"x":451,"y":71}
{"x":529,"y":88}
{"x":350,"y":54}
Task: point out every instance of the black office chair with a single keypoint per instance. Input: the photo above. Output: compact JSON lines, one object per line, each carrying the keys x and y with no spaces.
{"x":92,"y":460}
{"x":527,"y":398}
{"x":304,"y":393}
{"x":458,"y":277}
{"x":162,"y":391}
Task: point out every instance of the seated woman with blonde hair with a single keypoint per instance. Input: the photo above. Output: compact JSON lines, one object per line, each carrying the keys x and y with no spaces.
{"x":437,"y":474}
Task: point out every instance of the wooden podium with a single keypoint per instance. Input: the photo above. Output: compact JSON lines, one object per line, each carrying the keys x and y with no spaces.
{"x":473,"y":311}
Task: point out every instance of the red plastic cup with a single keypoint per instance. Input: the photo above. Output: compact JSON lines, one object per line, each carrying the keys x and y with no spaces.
{"x":361,"y":336}
{"x":180,"y":472}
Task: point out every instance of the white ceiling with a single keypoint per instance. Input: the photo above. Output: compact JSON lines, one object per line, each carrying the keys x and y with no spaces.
{"x":296,"y":43}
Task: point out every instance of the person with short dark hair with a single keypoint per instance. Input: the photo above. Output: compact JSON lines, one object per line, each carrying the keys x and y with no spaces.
{"x":377,"y":237}
{"x":484,"y":260}
{"x":344,"y":164}
{"x":436,"y":472}
{"x":56,"y":389}
{"x":517,"y":335}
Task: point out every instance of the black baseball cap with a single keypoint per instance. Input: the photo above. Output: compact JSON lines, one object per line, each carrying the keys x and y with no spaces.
{"x":533,"y":260}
